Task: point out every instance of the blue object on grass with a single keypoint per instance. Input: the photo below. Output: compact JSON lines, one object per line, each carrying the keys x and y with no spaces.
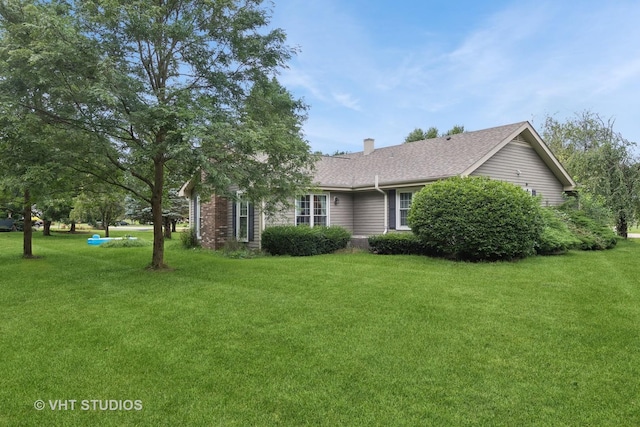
{"x":97,"y":240}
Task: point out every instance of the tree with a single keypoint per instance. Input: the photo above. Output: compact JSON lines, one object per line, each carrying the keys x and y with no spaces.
{"x":23,"y":166}
{"x":31,"y":160}
{"x":455,"y":130}
{"x":419,"y":135}
{"x":177,"y":208}
{"x":415,"y":135}
{"x":104,"y":207}
{"x":431,"y":133}
{"x":55,"y":209}
{"x":137,"y":210}
{"x":181,"y":88}
{"x":601,"y":161}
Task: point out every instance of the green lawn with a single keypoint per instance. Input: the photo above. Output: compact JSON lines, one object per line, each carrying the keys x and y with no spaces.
{"x":347,"y":339}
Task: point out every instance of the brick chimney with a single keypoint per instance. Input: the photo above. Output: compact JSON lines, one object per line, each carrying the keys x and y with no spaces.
{"x":368,"y":146}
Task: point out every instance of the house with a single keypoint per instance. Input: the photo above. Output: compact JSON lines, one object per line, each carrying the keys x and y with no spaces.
{"x":370,"y":192}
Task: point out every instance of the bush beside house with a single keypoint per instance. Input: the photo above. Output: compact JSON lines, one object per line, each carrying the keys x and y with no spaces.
{"x":452,"y":224}
{"x":556,"y":236}
{"x":397,"y":244}
{"x":476,"y":218}
{"x":304,"y":241}
{"x":592,"y":234}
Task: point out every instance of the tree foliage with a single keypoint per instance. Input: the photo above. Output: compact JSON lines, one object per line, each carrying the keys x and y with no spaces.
{"x":601,"y":161}
{"x":24,"y":167}
{"x":163,"y":92}
{"x":419,"y":135}
{"x":104,"y":208}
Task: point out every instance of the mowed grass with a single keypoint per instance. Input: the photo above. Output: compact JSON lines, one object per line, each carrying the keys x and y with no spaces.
{"x":343,"y":339}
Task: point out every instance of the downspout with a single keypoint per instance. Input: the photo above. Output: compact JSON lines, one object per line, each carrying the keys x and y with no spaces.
{"x":263,"y":223}
{"x":386,"y":209}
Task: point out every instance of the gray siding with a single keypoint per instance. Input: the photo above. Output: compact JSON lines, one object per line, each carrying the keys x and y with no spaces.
{"x":283,"y":217}
{"x":368,"y":213}
{"x":534,"y":173}
{"x":342,"y":213}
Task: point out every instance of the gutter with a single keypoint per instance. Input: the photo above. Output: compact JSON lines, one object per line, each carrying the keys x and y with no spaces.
{"x":386,"y":203}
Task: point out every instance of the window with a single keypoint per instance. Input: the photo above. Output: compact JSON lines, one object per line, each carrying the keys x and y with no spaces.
{"x":242,"y":221}
{"x":312,"y":210}
{"x":404,"y":205}
{"x":403,"y":199}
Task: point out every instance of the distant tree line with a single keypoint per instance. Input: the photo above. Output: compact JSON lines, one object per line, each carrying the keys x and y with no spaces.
{"x":419,"y":135}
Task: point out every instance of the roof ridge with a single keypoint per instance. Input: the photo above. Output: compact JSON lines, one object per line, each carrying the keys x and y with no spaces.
{"x":420,"y":160}
{"x":402,"y":144}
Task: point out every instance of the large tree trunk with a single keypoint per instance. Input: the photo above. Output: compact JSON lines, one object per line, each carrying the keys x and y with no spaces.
{"x":105,"y":224}
{"x":73,"y":227}
{"x":46,"y":230}
{"x":105,"y":220}
{"x":174,"y":223}
{"x":157,"y":259}
{"x":27,"y":241}
{"x":621,"y":225}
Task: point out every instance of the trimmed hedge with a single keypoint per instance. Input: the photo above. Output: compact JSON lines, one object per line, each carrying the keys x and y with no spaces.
{"x":304,"y":241}
{"x":397,"y":244}
{"x":476,"y":218}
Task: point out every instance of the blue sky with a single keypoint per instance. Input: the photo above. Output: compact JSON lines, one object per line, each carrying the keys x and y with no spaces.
{"x":380,"y":68}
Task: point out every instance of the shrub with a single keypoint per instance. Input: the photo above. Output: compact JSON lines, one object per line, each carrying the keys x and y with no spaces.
{"x":289,"y":240}
{"x":125,"y":242}
{"x":332,"y":238}
{"x":556,"y":237}
{"x":304,"y":241}
{"x":189,"y":239}
{"x":397,"y":244}
{"x":237,"y":250}
{"x":476,"y":218}
{"x":592,"y":234}
{"x":593,"y":207}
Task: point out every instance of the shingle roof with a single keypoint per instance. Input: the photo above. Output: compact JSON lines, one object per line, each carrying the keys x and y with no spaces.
{"x":418,"y":161}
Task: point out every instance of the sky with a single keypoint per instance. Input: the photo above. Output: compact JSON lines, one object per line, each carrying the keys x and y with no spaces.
{"x":381,"y":68}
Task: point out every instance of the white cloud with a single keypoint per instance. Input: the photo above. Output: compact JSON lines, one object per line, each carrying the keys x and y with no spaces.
{"x":616,"y":77}
{"x":521,"y":61}
{"x":346,"y":100}
{"x":294,"y":77}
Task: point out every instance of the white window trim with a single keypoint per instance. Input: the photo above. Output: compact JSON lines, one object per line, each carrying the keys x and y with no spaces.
{"x":239,"y":203}
{"x":312,"y":195}
{"x":198,"y":217}
{"x":413,"y":191}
